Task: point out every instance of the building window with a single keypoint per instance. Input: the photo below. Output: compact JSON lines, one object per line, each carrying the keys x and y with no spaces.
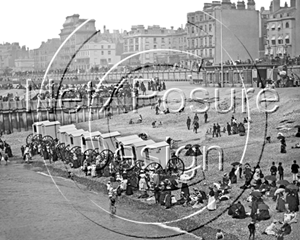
{"x":109,"y":60}
{"x":162,"y":40}
{"x":280,"y":41}
{"x":193,"y":19}
{"x":210,"y":52}
{"x":287,"y":39}
{"x":136,"y":47}
{"x":108,"y":52}
{"x":201,"y":18}
{"x":273,"y":42}
{"x":108,"y":46}
{"x":287,"y":25}
{"x":205,"y":28}
{"x":192,"y":29}
{"x":154,"y":40}
{"x":154,"y":46}
{"x":101,"y":46}
{"x":102,"y":52}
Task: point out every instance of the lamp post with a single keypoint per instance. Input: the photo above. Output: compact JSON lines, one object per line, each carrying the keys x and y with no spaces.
{"x":285,"y":53}
{"x":269,"y":53}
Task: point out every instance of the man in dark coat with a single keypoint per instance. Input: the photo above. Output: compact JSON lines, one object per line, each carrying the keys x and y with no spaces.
{"x":214,"y":130}
{"x":195,"y":126}
{"x":188,"y":123}
{"x":205,"y":117}
{"x":228,"y":129}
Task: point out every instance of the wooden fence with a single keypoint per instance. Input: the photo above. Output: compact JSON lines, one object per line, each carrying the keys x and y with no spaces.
{"x":18,"y":116}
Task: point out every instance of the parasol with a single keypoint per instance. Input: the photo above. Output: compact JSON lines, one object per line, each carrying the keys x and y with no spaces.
{"x":279,"y":190}
{"x":263,"y":206}
{"x":270,"y":178}
{"x":235,"y":163}
{"x":188,"y":146}
{"x":256,"y":194}
{"x":292,"y":187}
{"x":283,"y":182}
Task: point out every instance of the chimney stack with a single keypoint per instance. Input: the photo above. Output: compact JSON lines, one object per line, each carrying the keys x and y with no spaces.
{"x":207,"y":5}
{"x":251,"y":5}
{"x":293,"y":3}
{"x":276,"y":5}
{"x":241,"y":5}
{"x":226,"y":4}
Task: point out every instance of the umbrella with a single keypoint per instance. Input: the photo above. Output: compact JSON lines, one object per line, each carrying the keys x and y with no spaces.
{"x":188,"y":146}
{"x":270,"y":178}
{"x":283,"y":182}
{"x":263,"y":206}
{"x":292,"y":187}
{"x":256,"y":194}
{"x":235,"y":163}
{"x":279,"y":190}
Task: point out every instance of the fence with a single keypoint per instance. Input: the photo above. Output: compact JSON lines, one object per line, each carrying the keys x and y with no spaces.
{"x":17,"y":116}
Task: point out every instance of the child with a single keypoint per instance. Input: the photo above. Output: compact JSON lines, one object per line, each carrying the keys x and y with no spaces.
{"x":252,"y":228}
{"x":219,"y":234}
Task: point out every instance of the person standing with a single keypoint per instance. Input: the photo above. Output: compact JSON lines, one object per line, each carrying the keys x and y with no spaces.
{"x":295,"y":170}
{"x":196,"y":118}
{"x":273,"y":169}
{"x":214,"y":130}
{"x":280,"y":171}
{"x":228,"y":129}
{"x":188,"y":123}
{"x":240,"y":170}
{"x":195,"y":126}
{"x":205,"y":117}
{"x":22,"y":151}
{"x":252,"y":229}
{"x":218,"y":130}
{"x":211,"y":205}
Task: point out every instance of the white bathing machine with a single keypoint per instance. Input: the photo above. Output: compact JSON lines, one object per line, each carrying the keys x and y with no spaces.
{"x":50,"y":129}
{"x":61,"y":131}
{"x":37,"y":127}
{"x":157,"y":152}
{"x":108,"y":141}
{"x":90,"y":140}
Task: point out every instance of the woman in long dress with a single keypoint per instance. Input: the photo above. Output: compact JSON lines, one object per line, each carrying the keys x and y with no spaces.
{"x":280,"y":203}
{"x":211,"y":205}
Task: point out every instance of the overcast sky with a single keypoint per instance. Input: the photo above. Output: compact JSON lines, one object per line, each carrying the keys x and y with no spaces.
{"x":30,"y":22}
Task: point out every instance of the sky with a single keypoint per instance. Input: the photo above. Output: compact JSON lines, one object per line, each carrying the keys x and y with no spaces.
{"x":32,"y":21}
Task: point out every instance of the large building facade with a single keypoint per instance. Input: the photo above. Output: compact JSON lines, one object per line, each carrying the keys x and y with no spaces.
{"x":224,"y":31}
{"x":97,"y":54}
{"x":9,"y":52}
{"x":140,"y":39}
{"x":44,"y":54}
{"x":283,"y":30}
{"x":69,"y":49}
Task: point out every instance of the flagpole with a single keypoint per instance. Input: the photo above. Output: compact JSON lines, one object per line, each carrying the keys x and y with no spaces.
{"x":222,"y":49}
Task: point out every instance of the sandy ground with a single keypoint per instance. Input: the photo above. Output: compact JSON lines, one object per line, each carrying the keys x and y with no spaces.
{"x":173,"y":125}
